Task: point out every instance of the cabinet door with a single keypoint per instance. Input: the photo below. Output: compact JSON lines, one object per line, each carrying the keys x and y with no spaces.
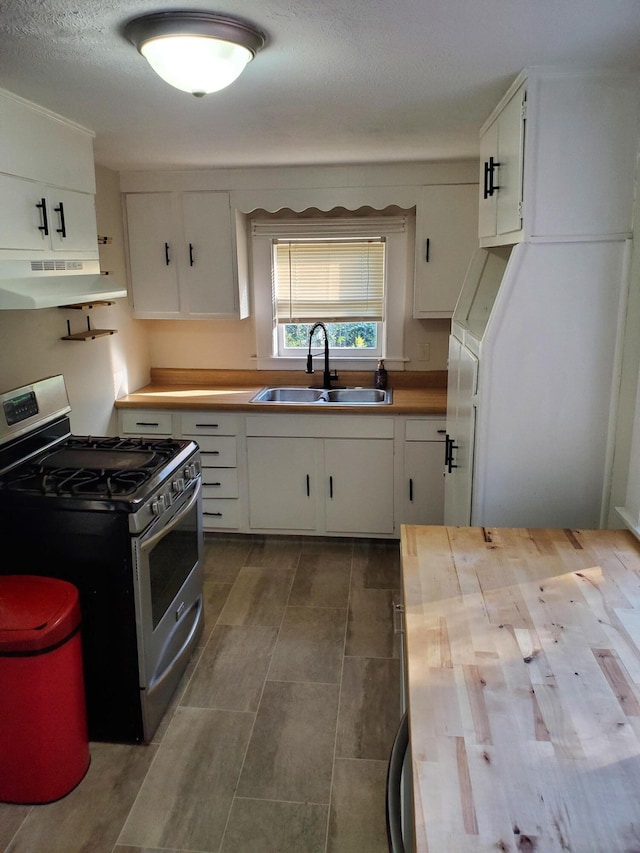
{"x":487,"y":203}
{"x":152,"y":255}
{"x":32,"y":218}
{"x":359,"y":485}
{"x":461,"y":424}
{"x":207,"y":277}
{"x":501,"y":174}
{"x":20,"y":219}
{"x":510,"y":170}
{"x":423,"y":483}
{"x":446,"y":217}
{"x":72,"y":221}
{"x":282,"y":488}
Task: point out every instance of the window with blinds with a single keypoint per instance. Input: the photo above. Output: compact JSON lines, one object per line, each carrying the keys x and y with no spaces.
{"x":332,"y":270}
{"x":331,"y":280}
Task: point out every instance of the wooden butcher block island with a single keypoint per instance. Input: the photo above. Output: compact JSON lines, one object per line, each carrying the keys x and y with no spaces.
{"x":523,"y":667}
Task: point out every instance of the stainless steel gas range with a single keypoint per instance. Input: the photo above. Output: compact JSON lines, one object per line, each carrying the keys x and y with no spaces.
{"x":121,"y":519}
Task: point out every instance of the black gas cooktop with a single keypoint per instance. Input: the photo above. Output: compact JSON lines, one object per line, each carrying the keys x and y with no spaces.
{"x":93,"y":467}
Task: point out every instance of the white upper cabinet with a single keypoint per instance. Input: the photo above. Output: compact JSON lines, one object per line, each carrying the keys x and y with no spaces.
{"x":38,"y":218}
{"x":182,"y":255}
{"x":44,"y":147}
{"x":555,"y":158}
{"x":47,"y":184}
{"x":152,"y":261}
{"x":501,"y":172}
{"x":446,"y":237}
{"x":580,"y":155}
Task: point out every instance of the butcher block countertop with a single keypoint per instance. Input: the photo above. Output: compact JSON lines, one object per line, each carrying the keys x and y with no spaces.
{"x":417,"y":392}
{"x":523,"y":657}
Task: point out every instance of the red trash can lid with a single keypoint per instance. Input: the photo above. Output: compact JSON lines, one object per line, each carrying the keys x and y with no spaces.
{"x":36,"y":612}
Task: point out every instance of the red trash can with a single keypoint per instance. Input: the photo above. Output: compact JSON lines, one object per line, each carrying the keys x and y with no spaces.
{"x":44,"y":746}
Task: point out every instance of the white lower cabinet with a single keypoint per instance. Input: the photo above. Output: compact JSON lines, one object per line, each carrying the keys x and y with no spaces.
{"x":321,"y":474}
{"x":461,"y":428}
{"x":310,"y":474}
{"x":143,"y":422}
{"x":422,"y":500}
{"x":217,"y":436}
{"x":358,"y":487}
{"x":282,"y":483}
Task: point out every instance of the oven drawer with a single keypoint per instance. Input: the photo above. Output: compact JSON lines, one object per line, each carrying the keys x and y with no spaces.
{"x":217,"y":452}
{"x":208,"y":423}
{"x":224,"y":512}
{"x":219,"y":483}
{"x":147,"y":423}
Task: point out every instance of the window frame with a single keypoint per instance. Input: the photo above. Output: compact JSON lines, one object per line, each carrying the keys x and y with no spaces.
{"x":399,"y":253}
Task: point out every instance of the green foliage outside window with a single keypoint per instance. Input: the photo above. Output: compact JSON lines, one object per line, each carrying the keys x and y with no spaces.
{"x":357,"y":335}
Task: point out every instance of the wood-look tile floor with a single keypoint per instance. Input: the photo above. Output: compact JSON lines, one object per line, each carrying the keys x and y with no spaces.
{"x":278,"y":736}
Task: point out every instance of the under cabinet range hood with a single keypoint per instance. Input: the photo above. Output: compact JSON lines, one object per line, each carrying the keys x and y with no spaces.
{"x":50,"y":282}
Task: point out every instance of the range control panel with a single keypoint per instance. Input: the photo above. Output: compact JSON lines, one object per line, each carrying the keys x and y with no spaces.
{"x":19,"y":408}
{"x":32,"y":406}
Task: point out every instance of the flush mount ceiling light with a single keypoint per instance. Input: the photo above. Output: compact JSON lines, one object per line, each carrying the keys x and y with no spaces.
{"x":197,"y":52}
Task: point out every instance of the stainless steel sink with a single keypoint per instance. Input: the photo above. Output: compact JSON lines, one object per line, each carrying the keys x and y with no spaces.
{"x":321,"y":397}
{"x":357,"y":396}
{"x":288,"y":395}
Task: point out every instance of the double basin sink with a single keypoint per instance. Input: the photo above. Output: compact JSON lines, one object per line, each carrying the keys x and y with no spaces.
{"x":323,"y":397}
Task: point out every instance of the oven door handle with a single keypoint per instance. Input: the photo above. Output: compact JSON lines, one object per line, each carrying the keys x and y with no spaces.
{"x":146,"y":544}
{"x":191,"y":637}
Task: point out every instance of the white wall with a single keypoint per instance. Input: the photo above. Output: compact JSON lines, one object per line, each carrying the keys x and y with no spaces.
{"x":98,"y":371}
{"x":231,"y":344}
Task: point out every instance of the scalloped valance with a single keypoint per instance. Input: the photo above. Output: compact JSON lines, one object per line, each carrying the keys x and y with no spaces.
{"x":324,"y":198}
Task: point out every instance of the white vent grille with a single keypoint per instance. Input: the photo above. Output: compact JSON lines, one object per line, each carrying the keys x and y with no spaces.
{"x":56,"y":266}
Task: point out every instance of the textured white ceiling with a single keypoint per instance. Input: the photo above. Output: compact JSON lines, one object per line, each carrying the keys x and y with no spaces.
{"x":339,"y":81}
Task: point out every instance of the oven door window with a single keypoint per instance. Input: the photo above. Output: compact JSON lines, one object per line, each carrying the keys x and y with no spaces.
{"x":170,"y":563}
{"x":167,"y":557}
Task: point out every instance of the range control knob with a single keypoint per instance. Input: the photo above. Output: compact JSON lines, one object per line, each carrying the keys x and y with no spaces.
{"x":178,"y":486}
{"x":158,"y":506}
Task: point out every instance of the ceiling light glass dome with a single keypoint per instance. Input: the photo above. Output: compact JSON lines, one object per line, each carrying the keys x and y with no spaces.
{"x":196,"y":52}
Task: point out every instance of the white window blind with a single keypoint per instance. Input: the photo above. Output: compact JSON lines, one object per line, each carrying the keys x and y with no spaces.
{"x":329,"y":280}
{"x":331,"y":270}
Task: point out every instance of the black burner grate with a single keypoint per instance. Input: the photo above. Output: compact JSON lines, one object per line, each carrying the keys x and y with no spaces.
{"x":92,"y":467}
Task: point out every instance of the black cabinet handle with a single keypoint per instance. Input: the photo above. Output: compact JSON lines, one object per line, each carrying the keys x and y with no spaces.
{"x":308,"y":486}
{"x":206,"y":426}
{"x":490,"y":187}
{"x":492,"y":169}
{"x":426,"y":250}
{"x":45,"y":224}
{"x":449,"y":447}
{"x":411,"y":489}
{"x":62,"y":230}
{"x":166,"y":254}
{"x":331,"y":487}
{"x":485,"y":193}
{"x":215,"y":514}
{"x":190,"y":254}
{"x":147,"y":423}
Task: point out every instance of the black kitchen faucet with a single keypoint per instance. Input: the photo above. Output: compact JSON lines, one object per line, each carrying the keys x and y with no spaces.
{"x":327,"y":376}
